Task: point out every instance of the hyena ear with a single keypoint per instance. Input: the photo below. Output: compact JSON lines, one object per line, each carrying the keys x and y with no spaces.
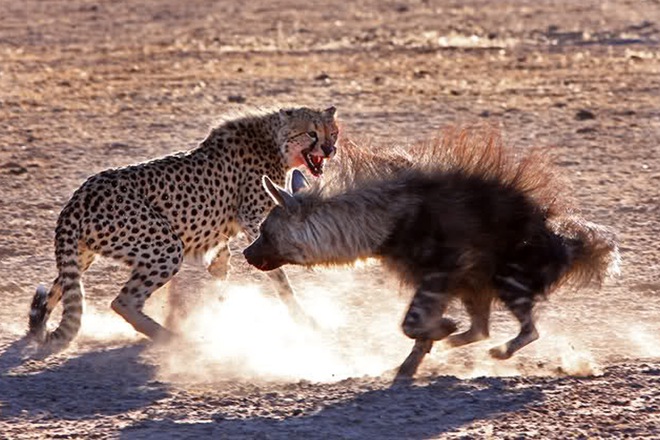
{"x":298,"y":181}
{"x":279,"y":195}
{"x":330,"y":111}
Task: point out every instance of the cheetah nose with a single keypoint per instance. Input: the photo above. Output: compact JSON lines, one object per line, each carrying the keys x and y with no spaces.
{"x":329,"y":150}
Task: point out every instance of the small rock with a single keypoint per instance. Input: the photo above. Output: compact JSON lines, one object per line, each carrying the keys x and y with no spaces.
{"x":117,"y":145}
{"x":322,"y":77}
{"x":585,"y":130}
{"x":14,"y":168}
{"x":484,"y":114}
{"x":238,"y":99}
{"x":584,"y":115}
{"x":418,"y":74}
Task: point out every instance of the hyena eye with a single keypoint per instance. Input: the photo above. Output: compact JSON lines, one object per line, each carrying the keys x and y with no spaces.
{"x":312,"y":135}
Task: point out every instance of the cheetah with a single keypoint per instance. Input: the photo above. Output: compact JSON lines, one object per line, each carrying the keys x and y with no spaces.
{"x":151,"y":215}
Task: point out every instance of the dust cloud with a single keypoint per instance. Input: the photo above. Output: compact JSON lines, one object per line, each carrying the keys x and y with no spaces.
{"x":241,"y":331}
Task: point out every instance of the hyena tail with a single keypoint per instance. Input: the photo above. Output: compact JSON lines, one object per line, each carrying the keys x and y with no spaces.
{"x":67,"y":288}
{"x":593,"y":252}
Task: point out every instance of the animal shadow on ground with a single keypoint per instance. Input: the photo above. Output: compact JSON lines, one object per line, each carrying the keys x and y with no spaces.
{"x":104,"y":382}
{"x":410,"y":412}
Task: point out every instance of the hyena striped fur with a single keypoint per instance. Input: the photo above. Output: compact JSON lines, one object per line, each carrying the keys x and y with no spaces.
{"x":467,"y":220}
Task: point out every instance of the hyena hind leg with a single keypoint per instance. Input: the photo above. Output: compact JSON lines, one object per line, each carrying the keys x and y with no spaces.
{"x":479,"y":311}
{"x":522,"y":308}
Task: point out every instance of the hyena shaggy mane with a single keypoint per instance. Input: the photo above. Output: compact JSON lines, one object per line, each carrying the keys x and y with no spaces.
{"x":467,"y":219}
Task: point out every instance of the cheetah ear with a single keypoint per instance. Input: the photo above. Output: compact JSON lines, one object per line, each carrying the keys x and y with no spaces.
{"x":298,"y":181}
{"x":285,"y":114}
{"x":330,"y":111}
{"x":279,"y":195}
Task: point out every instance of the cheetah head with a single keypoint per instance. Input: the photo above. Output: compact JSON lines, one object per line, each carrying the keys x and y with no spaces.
{"x":309,"y":137}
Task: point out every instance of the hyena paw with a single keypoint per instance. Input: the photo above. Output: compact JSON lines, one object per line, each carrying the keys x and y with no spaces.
{"x":409,"y":367}
{"x":416,"y":329}
{"x":500,"y":352}
{"x":444,"y":328}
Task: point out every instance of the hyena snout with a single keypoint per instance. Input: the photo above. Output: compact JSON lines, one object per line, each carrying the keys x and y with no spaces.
{"x":262,"y":256}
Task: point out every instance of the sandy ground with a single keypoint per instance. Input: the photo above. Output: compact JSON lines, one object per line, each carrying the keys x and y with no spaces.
{"x":86,"y":85}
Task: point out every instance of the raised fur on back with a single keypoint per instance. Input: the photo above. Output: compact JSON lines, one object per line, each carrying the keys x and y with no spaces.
{"x":468,"y":218}
{"x":150,"y":215}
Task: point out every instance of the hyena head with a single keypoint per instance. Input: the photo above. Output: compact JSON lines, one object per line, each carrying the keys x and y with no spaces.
{"x":308,"y":137}
{"x":283,"y":237}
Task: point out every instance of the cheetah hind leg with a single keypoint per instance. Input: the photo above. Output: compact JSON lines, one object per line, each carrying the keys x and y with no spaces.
{"x":142,"y":283}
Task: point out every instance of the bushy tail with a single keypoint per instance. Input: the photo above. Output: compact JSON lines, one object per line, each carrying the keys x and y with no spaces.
{"x":67,"y":288}
{"x":593,"y":251}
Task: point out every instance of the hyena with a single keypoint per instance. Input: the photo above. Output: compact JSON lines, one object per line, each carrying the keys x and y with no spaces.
{"x":468,"y":221}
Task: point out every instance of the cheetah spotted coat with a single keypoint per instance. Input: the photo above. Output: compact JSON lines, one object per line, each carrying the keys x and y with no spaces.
{"x":151,"y":215}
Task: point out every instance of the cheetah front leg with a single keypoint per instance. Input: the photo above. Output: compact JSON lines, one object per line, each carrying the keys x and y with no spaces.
{"x":283,"y":287}
{"x":286,"y":295}
{"x":219,"y":264}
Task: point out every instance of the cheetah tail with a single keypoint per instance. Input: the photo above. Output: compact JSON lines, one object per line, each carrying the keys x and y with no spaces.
{"x":593,"y":249}
{"x":39,"y":313}
{"x":67,"y":288}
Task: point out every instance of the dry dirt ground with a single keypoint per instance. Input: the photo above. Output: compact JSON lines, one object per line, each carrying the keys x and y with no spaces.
{"x":86,"y":85}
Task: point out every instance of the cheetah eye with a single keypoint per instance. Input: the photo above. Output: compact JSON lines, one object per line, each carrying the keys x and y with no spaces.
{"x":312,"y":135}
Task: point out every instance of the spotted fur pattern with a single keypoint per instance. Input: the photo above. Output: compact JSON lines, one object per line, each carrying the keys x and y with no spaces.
{"x":151,"y":215}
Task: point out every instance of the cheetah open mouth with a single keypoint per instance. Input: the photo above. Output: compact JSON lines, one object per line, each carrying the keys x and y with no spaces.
{"x":314,"y":163}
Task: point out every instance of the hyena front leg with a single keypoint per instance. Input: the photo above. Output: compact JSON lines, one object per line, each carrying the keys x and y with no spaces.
{"x":522,"y":308}
{"x":479,"y":310}
{"x":424,"y":321}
